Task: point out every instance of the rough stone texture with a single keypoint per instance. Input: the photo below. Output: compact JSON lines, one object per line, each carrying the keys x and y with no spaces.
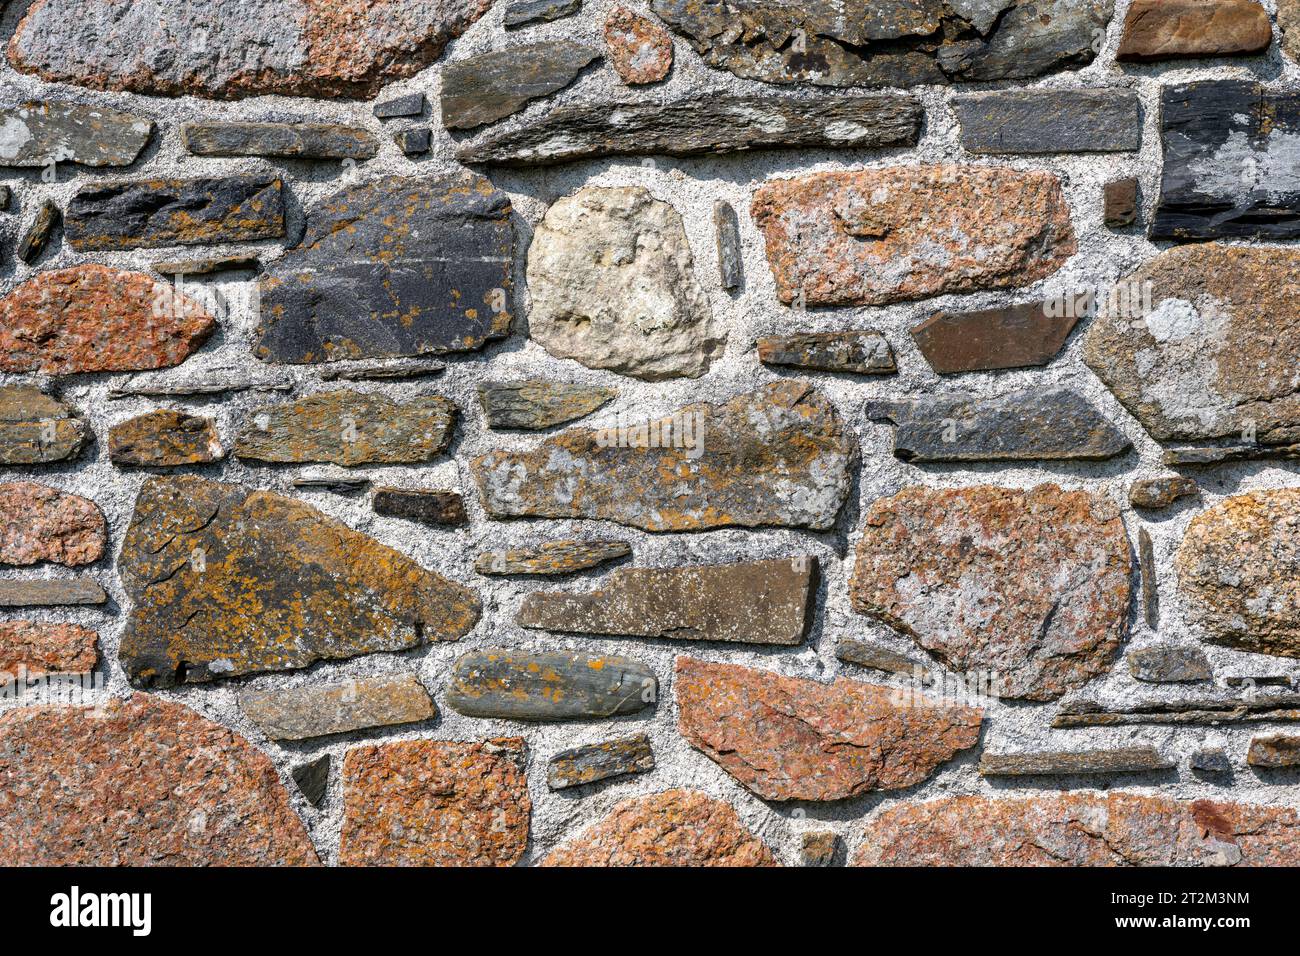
{"x":207,"y":266}
{"x":1212,"y":761}
{"x":280,"y":140}
{"x":435,"y":803}
{"x":491,"y":86}
{"x":1017,"y":336}
{"x":414,"y":142}
{"x":381,"y":371}
{"x":1214,"y":710}
{"x":755,"y":602}
{"x":674,"y":828}
{"x":429,"y":507}
{"x":1288,"y":21}
{"x":876,"y":656}
{"x":412,"y":104}
{"x":313,"y":779}
{"x":778,"y":456}
{"x":522,"y":686}
{"x":1120,"y":203}
{"x":1150,"y":586}
{"x":164,"y":438}
{"x":595,"y":762}
{"x":301,"y":713}
{"x":1049,"y":121}
{"x":39,"y":523}
{"x":141,"y":782}
{"x":38,"y":235}
{"x":225,"y":580}
{"x":40,"y":134}
{"x":536,"y":403}
{"x":41,"y":648}
{"x":731,"y":262}
{"x":1161,"y":492}
{"x":524,"y":13}
{"x":552,"y":557}
{"x":640,"y":50}
{"x":1278,"y":750}
{"x":1074,"y":763}
{"x":1032,"y":585}
{"x":822,"y":848}
{"x":323,"y":48}
{"x":1169,"y":663}
{"x":36,"y":429}
{"x":53,"y":592}
{"x":790,"y":739}
{"x":876,"y":236}
{"x":862,"y":353}
{"x":1170,"y":29}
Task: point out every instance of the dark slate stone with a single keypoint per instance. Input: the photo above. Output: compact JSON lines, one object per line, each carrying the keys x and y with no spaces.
{"x":517,"y":685}
{"x":415,"y":141}
{"x":614,"y":758}
{"x":339,"y":485}
{"x":207,"y":267}
{"x":1068,"y":763}
{"x":1169,"y":664}
{"x":1024,"y":426}
{"x":279,"y":140}
{"x":876,"y":656}
{"x":488,"y":87}
{"x":1218,"y":454}
{"x":1050,"y":121}
{"x":552,"y":557}
{"x":312,"y":779}
{"x":175,"y":212}
{"x":1211,"y":761}
{"x":713,"y":123}
{"x":1241,"y":708}
{"x":38,"y":134}
{"x":731,"y":266}
{"x":861,"y":353}
{"x":412,"y":104}
{"x":5,"y":196}
{"x":429,"y":507}
{"x":1150,"y":588}
{"x":396,"y":267}
{"x":39,"y":233}
{"x":1120,"y":203}
{"x":53,"y":592}
{"x":536,"y":403}
{"x":36,"y":429}
{"x":1014,"y":336}
{"x":1260,"y":680}
{"x":525,"y":12}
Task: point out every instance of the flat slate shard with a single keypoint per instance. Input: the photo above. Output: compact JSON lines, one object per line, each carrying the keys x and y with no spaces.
{"x":396,"y":267}
{"x":279,"y":140}
{"x":876,"y":656}
{"x":731,"y":264}
{"x":202,"y":378}
{"x":753,"y":602}
{"x":858,"y":353}
{"x":1169,"y":663}
{"x":51,"y":592}
{"x":1150,"y":587}
{"x":491,"y":86}
{"x":1276,"y":750}
{"x":445,"y":508}
{"x":348,"y":428}
{"x":412,"y":104}
{"x":39,"y":134}
{"x":399,"y":371}
{"x":535,"y":404}
{"x":1031,"y":122}
{"x":164,"y":438}
{"x":1031,"y":586}
{"x":516,"y":685}
{"x":226,"y":580}
{"x":595,"y":762}
{"x":332,"y":49}
{"x":335,"y":484}
{"x":414,"y":142}
{"x":553,"y":557}
{"x":1213,"y":761}
{"x":1173,"y":29}
{"x":785,"y":738}
{"x":1071,"y":763}
{"x":40,"y":232}
{"x":523,"y":13}
{"x":1218,"y":454}
{"x":151,"y":213}
{"x":1013,"y":336}
{"x":301,"y":713}
{"x":712,"y":123}
{"x":1033,"y":425}
{"x":207,"y":266}
{"x":1120,"y":203}
{"x":640,"y":50}
{"x":878,"y":236}
{"x":1197,"y":711}
{"x":1161,"y":492}
{"x":39,"y":648}
{"x":39,"y":523}
{"x":779,"y":456}
{"x":36,"y":429}
{"x":823,"y":848}
{"x":313,"y":779}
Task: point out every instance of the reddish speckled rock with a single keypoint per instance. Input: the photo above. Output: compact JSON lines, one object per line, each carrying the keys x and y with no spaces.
{"x":45,"y":648}
{"x":39,"y":523}
{"x":640,"y":50}
{"x":141,"y":782}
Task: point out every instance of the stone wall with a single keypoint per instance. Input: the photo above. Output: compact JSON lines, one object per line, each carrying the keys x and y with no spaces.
{"x":565,"y":432}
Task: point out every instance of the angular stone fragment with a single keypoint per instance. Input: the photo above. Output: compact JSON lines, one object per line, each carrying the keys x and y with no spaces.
{"x":731,"y":265}
{"x":140,"y":782}
{"x":1080,"y":829}
{"x":39,"y":648}
{"x":300,"y":713}
{"x":1239,"y":571}
{"x":225,"y":580}
{"x":1171,"y":29}
{"x":876,"y":656}
{"x":429,"y":507}
{"x":1213,"y":761}
{"x":399,"y":371}
{"x":5,"y":195}
{"x":538,"y":403}
{"x":754,"y":602}
{"x":876,"y":236}
{"x":36,"y":429}
{"x":313,"y":779}
{"x":1169,"y":663}
{"x":713,"y":123}
{"x":522,"y":686}
{"x":522,"y":13}
{"x":397,"y":267}
{"x":41,"y":134}
{"x":337,"y":484}
{"x":214,"y":378}
{"x":786,"y":738}
{"x":1070,"y":763}
{"x":859,"y":353}
{"x":333,"y":49}
{"x":208,"y":266}
{"x":615,"y":758}
{"x":349,"y":428}
{"x":1218,"y":454}
{"x":1161,"y":492}
{"x":822,"y":848}
{"x":776,"y":457}
{"x":1248,"y":708}
{"x":1288,"y":21}
{"x":412,"y":104}
{"x":553,"y":557}
{"x":1033,"y":425}
{"x":1030,"y":122}
{"x":1120,"y":203}
{"x":640,"y":50}
{"x":1277,"y":750}
{"x":1033,"y":586}
{"x":279,"y":140}
{"x":1150,"y":586}
{"x":673,"y":828}
{"x":164,"y":438}
{"x":52,"y":592}
{"x":39,"y":523}
{"x":414,"y":142}
{"x":39,"y":233}
{"x":1013,"y":336}
{"x":491,"y":86}
{"x":435,"y":803}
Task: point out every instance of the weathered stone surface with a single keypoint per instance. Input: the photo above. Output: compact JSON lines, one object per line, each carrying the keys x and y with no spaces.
{"x":1239,"y":571}
{"x":398,"y":371}
{"x":613,"y":286}
{"x":1169,"y":663}
{"x":1033,"y":425}
{"x":1211,"y":760}
{"x":279,"y":140}
{"x":516,"y":685}
{"x":538,"y":403}
{"x":1150,"y":586}
{"x":335,"y":484}
{"x":1120,"y":202}
{"x":313,"y":779}
{"x":673,"y":828}
{"x":36,"y":429}
{"x":522,"y":13}
{"x":140,"y":782}
{"x":891,"y":43}
{"x":40,"y":134}
{"x":614,"y":758}
{"x":300,"y":713}
{"x":225,"y":580}
{"x":52,"y":592}
{"x":322,"y":48}
{"x":731,"y":263}
{"x":414,"y":142}
{"x":823,"y":848}
{"x":640,"y":50}
{"x":778,"y":456}
{"x":40,"y":232}
{"x":1029,"y":122}
{"x":1170,"y":29}
{"x":39,"y":523}
{"x":1161,"y":492}
{"x":1221,"y":709}
{"x":1071,"y":763}
{"x":861,"y":353}
{"x":1080,"y":829}
{"x":164,"y":437}
{"x":786,"y":738}
{"x":5,"y":195}
{"x":1032,"y":585}
{"x":1212,"y":355}
{"x":349,"y":428}
{"x":1218,"y":454}
{"x":716,"y":123}
{"x":397,"y":267}
{"x":876,"y":656}
{"x":753,"y":602}
{"x":1277,"y":750}
{"x":876,"y":236}
{"x":1013,"y":336}
{"x":553,"y":557}
{"x":202,"y":378}
{"x":430,"y":507}
{"x":207,"y":266}
{"x":491,"y":86}
{"x":412,"y":104}
{"x":40,"y":648}
{"x":1288,"y":21}
{"x":435,"y":803}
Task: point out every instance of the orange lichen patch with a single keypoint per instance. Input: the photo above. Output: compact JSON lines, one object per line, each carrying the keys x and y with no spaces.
{"x":40,"y":648}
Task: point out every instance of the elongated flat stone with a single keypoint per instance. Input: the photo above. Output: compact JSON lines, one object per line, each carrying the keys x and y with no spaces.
{"x":40,"y":134}
{"x":207,"y":266}
{"x":491,"y":86}
{"x":198,"y":378}
{"x":1150,"y":587}
{"x":279,"y":140}
{"x":1016,"y":336}
{"x":164,"y":438}
{"x":523,"y":13}
{"x":398,"y":371}
{"x":755,"y":602}
{"x":777,"y":456}
{"x":335,"y":484}
{"x":36,"y":429}
{"x":859,"y":353}
{"x":412,"y":104}
{"x":552,"y":558}
{"x":225,"y":580}
{"x":717,"y":123}
{"x":349,"y":428}
{"x":1169,"y":663}
{"x":1276,"y":750}
{"x":1173,"y":29}
{"x":39,"y":523}
{"x":429,"y":507}
{"x":1199,"y":711}
{"x":1161,"y":492}
{"x":1070,"y":763}
{"x":51,"y":592}
{"x":731,"y":265}
{"x":1029,"y":122}
{"x":516,"y":685}
{"x":38,"y":648}
{"x":300,"y":713}
{"x":594,"y":762}
{"x":147,"y":214}
{"x":1210,"y":760}
{"x":38,"y":235}
{"x":1120,"y":203}
{"x":876,"y":656}
{"x":1218,"y":454}
{"x":537,"y":403}
{"x":313,"y":779}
